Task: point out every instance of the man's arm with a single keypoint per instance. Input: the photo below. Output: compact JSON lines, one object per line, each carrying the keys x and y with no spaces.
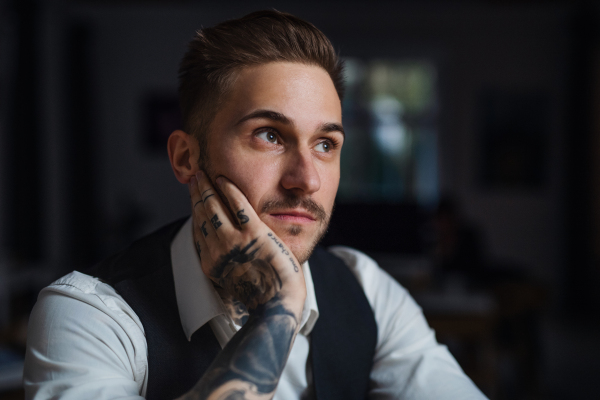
{"x":249,"y":262}
{"x":83,"y":339}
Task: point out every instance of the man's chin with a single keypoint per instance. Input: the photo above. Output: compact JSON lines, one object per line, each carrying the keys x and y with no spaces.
{"x":300,"y":240}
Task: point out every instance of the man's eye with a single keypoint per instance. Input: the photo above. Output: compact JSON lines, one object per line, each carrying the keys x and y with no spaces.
{"x":323,"y":147}
{"x":268,"y":136}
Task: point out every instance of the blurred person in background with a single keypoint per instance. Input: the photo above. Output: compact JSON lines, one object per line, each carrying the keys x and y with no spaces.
{"x":237,"y":301}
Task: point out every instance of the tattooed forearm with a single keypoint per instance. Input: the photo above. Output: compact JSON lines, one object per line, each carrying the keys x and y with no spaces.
{"x":252,"y":362}
{"x":243,"y":218}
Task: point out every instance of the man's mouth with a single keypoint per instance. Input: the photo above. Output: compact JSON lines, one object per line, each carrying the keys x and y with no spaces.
{"x":294,"y":216}
{"x":295,"y":210}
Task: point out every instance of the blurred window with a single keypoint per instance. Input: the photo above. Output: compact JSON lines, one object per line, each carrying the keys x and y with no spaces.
{"x":390,"y":153}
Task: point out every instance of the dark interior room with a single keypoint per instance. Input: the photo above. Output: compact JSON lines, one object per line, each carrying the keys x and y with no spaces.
{"x":473,"y":127}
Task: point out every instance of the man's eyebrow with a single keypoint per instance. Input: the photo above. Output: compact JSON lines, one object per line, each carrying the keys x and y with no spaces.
{"x":332,"y":127}
{"x":279,"y":117}
{"x":266,"y":114}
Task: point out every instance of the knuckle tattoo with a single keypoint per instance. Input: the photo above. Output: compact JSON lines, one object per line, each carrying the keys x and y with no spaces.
{"x":215,"y":222}
{"x":243,"y":218}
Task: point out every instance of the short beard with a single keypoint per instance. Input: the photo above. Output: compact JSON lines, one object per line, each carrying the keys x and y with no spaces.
{"x":321,"y":216}
{"x":304,"y":255}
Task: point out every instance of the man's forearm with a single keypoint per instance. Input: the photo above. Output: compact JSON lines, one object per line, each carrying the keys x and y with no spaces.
{"x":250,"y":365}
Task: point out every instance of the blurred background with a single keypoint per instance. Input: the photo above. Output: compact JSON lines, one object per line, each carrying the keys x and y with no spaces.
{"x":471,"y":163}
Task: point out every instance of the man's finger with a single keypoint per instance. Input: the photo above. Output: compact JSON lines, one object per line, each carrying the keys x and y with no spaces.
{"x":199,"y":241}
{"x":214,"y":209}
{"x":241,"y":208}
{"x":198,"y":213}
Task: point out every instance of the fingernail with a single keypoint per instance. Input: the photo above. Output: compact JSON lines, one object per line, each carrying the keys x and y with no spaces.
{"x":199,"y":175}
{"x":220,"y":181}
{"x":193,"y":181}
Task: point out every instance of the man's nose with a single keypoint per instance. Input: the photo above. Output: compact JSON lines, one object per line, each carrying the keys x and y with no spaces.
{"x":300,"y":172}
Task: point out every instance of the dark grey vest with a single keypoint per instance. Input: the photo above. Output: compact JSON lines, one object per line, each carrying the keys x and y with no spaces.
{"x":342,"y":341}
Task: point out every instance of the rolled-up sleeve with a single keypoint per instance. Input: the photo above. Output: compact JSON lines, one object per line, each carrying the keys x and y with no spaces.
{"x":84,"y":342}
{"x":409,"y":363}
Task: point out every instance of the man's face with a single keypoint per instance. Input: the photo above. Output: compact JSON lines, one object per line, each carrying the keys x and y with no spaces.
{"x":278,"y":138}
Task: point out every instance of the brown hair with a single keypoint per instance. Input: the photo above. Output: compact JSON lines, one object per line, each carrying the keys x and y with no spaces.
{"x":215,"y":54}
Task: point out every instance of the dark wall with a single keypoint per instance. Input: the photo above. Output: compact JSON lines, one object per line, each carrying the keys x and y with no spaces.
{"x":94,"y":68}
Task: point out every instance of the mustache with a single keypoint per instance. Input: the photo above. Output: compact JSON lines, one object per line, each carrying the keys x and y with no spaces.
{"x":291,"y":201}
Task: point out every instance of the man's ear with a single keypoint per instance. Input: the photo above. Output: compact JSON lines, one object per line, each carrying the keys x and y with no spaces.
{"x":183,"y":152}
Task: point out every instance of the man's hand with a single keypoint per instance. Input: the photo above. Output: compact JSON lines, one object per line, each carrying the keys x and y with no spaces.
{"x":245,"y":258}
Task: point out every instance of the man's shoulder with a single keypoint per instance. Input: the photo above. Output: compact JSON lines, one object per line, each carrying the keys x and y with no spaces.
{"x":83,"y":288}
{"x":352,"y":257}
{"x":379,"y":286}
{"x":76,"y":283}
{"x":365,"y":268}
{"x":142,"y":257}
{"x":86,"y":296}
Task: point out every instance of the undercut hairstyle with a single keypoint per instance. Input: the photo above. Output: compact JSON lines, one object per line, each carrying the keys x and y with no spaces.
{"x":215,"y":55}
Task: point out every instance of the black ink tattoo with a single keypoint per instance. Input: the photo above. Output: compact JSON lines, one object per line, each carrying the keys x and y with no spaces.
{"x":198,"y":247}
{"x":203,"y":229}
{"x":283,"y":250}
{"x":294,"y":264}
{"x":255,"y":356}
{"x":279,"y":244}
{"x":242,"y":217}
{"x":215,"y":222}
{"x":251,"y":280}
{"x":210,"y":195}
{"x":236,"y":309}
{"x":198,"y":202}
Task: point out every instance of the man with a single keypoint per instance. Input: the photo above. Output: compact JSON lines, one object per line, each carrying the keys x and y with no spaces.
{"x":264,"y":313}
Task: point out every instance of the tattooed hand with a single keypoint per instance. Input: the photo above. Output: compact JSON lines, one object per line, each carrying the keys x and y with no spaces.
{"x":239,"y":253}
{"x":247,"y":261}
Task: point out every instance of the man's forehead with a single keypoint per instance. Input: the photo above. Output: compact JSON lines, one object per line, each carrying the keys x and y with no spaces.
{"x":284,"y":93}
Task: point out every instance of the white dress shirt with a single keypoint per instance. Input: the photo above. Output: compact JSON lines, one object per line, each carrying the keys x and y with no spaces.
{"x":85,"y":342}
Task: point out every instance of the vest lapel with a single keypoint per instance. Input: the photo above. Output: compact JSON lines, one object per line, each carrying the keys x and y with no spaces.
{"x":344,"y":338}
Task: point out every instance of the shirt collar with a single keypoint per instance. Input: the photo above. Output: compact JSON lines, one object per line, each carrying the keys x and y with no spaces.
{"x":198,"y":301}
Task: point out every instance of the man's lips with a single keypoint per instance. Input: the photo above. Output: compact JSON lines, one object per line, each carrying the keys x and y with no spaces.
{"x":295,"y":216}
